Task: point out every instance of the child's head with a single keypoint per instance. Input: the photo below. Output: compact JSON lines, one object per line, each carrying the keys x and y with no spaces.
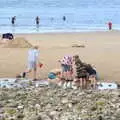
{"x":77,"y":59}
{"x":35,"y":47}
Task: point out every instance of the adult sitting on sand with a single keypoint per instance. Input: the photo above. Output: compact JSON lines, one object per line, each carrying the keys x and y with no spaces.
{"x":33,"y":62}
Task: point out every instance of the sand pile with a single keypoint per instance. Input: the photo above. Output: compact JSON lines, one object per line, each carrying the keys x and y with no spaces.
{"x":18,"y":42}
{"x":78,"y":45}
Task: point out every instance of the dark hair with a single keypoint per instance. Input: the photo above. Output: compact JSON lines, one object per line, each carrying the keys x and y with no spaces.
{"x":77,"y":60}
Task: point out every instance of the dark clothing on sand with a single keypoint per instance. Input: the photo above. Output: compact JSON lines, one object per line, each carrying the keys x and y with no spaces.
{"x":13,"y":20}
{"x":8,"y":36}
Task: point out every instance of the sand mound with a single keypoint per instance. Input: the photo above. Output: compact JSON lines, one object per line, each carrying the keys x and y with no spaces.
{"x":18,"y":42}
{"x":78,"y":45}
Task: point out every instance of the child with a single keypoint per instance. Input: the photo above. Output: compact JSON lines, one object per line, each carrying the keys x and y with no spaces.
{"x":80,"y":73}
{"x":33,"y":61}
{"x":92,"y":75}
{"x":66,"y":65}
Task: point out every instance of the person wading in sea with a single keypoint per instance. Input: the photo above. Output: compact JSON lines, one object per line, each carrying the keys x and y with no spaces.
{"x":13,"y":20}
{"x":37,"y":20}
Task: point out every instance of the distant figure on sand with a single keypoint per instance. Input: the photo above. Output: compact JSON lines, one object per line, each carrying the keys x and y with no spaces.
{"x":13,"y":20}
{"x":110,"y":25}
{"x":64,"y":18}
{"x":33,"y":62}
{"x":37,"y":19}
{"x":8,"y":36}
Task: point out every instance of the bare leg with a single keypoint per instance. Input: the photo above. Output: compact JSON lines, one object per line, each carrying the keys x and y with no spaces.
{"x":75,"y":82}
{"x":24,"y":73}
{"x":66,"y":75}
{"x":88,"y":84}
{"x":84,"y":83}
{"x":94,"y":82}
{"x":70,"y":75}
{"x":81,"y":83}
{"x":34,"y":73}
{"x":62,"y":81}
{"x":63,"y":75}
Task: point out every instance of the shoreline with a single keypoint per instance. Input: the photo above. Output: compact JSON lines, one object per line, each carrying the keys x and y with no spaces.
{"x":65,"y":32}
{"x":59,"y":31}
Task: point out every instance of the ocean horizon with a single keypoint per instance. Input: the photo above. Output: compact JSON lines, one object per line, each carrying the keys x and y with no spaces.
{"x":81,"y":15}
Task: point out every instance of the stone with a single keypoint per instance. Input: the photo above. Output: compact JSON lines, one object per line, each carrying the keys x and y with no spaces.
{"x":47,"y":103}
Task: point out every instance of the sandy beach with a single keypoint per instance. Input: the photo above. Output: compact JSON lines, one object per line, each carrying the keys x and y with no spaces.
{"x":101,"y":50}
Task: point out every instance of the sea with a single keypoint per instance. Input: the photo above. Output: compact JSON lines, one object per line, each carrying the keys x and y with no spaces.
{"x":81,"y":15}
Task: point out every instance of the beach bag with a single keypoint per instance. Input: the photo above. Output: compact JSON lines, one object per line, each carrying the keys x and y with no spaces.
{"x":8,"y":36}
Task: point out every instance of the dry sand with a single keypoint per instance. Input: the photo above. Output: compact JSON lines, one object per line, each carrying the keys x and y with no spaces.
{"x":101,"y":49}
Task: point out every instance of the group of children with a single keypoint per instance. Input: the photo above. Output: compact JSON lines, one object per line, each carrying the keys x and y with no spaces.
{"x":77,"y":72}
{"x":73,"y":70}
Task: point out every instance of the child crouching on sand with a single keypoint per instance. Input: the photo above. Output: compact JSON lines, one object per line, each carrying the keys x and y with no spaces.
{"x":54,"y":77}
